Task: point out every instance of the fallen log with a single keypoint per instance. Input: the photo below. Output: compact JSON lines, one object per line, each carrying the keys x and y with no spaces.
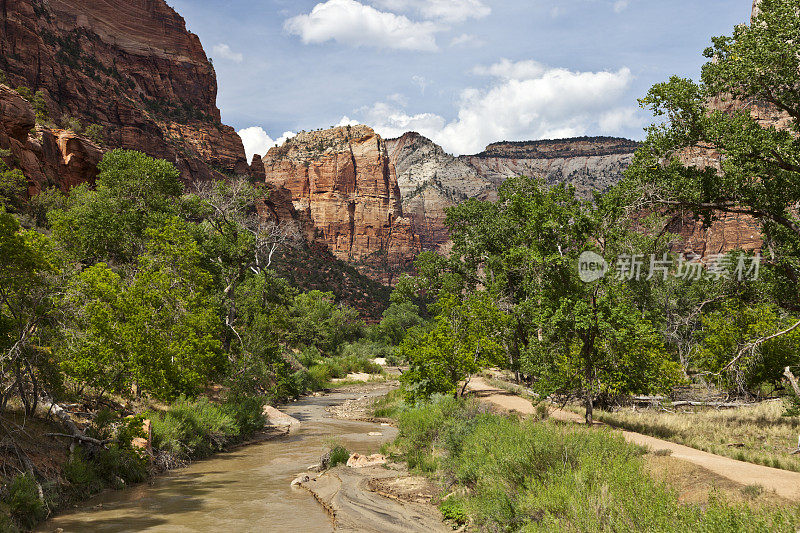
{"x":82,"y":438}
{"x":718,"y":405}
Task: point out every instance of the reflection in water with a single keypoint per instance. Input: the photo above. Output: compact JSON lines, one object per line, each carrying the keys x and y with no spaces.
{"x":244,"y":490}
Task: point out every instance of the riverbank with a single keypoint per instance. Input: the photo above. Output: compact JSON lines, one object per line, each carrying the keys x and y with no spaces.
{"x":246,"y":489}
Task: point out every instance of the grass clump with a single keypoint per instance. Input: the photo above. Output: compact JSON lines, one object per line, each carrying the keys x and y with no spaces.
{"x":339,"y":455}
{"x":527,"y":475}
{"x":23,"y":502}
{"x":194,"y":429}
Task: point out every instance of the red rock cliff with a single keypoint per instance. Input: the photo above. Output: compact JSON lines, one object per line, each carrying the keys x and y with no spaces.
{"x":130,"y":66}
{"x":343,"y":181}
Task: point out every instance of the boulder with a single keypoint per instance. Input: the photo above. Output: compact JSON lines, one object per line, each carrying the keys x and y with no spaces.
{"x":363,"y":461}
{"x":17,"y":118}
{"x":276,"y":418}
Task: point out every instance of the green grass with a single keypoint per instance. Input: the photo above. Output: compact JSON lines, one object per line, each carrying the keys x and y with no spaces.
{"x":193,"y":429}
{"x":507,"y":474}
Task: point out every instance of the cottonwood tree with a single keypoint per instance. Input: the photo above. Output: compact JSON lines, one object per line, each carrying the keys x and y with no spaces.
{"x":154,"y":330}
{"x":580,"y":339}
{"x":238,"y":240}
{"x":26,"y":290}
{"x":758,"y":66}
{"x":466,"y":337}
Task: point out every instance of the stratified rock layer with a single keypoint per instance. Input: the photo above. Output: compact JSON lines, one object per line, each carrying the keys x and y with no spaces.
{"x":431,"y":180}
{"x":129,"y":66}
{"x":344,"y":182}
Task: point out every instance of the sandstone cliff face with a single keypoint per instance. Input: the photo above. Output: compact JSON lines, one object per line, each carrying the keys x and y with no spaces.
{"x":54,"y":157}
{"x":130,"y":66}
{"x":342,"y":181}
{"x":431,"y":180}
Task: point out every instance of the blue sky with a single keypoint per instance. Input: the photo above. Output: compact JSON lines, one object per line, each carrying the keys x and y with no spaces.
{"x":463,"y":72}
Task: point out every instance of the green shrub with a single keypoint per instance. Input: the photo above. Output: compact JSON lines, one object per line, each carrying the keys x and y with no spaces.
{"x":80,"y":472}
{"x":24,"y":504}
{"x":540,"y":476}
{"x":192,"y":429}
{"x":339,"y":455}
{"x":247,"y":413}
{"x":453,"y":509}
{"x":95,"y":132}
{"x":71,"y":123}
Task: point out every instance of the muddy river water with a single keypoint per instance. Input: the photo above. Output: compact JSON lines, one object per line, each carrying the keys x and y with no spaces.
{"x":244,"y":490}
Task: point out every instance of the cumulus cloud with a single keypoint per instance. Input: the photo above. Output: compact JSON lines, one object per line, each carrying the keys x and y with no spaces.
{"x":353,"y":23}
{"x":449,"y":11}
{"x":224,"y":51}
{"x":257,"y":141}
{"x":346,"y":121}
{"x":525,"y":101}
{"x":507,"y":69}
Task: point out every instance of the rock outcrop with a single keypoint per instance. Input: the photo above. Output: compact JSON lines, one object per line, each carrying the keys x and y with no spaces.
{"x":431,"y":180}
{"x":130,"y":67}
{"x":588,"y":163}
{"x":46,"y":157}
{"x":343,"y":182}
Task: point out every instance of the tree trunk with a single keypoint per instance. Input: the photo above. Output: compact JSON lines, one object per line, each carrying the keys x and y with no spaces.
{"x":587,"y":351}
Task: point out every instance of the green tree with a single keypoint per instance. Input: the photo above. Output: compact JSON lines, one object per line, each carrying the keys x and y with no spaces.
{"x":317,"y":320}
{"x":397,"y":320}
{"x":26,"y":287}
{"x":567,"y":336}
{"x":758,"y":66}
{"x":13,"y":187}
{"x":156,"y":331}
{"x":760,"y":167}
{"x":133,"y":193}
{"x":725,"y":336}
{"x":465,"y":338}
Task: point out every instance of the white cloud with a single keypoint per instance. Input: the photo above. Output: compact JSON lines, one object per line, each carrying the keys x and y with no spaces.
{"x":355,"y":24}
{"x":391,"y":121}
{"x":527,"y":101}
{"x":449,"y":11}
{"x":615,"y":120}
{"x":346,"y":121}
{"x":257,"y":141}
{"x":467,"y":40}
{"x":507,"y":69}
{"x":224,"y":51}
{"x":621,"y":5}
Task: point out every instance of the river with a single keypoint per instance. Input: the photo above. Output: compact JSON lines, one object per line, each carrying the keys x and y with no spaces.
{"x":247,"y":489}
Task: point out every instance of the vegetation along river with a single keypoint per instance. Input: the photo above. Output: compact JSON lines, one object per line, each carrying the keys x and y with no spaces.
{"x":244,"y":490}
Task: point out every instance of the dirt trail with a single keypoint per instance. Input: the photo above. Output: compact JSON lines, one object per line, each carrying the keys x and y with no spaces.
{"x":785,"y":483}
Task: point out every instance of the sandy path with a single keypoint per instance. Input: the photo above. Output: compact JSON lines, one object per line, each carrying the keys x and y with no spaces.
{"x":783,"y":482}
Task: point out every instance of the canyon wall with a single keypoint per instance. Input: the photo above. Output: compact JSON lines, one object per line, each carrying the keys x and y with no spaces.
{"x":343,"y":182}
{"x":130,"y":67}
{"x":431,"y":180}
